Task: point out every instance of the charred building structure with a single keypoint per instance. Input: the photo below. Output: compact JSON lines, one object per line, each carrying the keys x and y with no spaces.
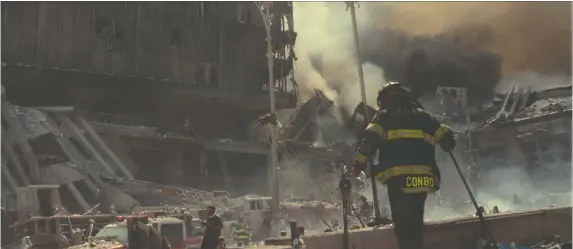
{"x":166,"y":89}
{"x":526,"y":129}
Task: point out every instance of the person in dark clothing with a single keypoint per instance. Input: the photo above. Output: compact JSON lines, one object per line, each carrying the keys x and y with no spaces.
{"x":214,"y":225}
{"x":405,"y":137}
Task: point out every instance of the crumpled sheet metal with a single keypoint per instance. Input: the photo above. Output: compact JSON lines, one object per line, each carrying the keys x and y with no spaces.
{"x":546,"y":106}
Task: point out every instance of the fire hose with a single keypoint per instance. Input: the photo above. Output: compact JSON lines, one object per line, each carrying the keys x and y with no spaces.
{"x":485,"y":229}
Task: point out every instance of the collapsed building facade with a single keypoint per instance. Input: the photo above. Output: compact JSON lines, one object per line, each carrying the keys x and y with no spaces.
{"x":146,"y":92}
{"x":531,"y":130}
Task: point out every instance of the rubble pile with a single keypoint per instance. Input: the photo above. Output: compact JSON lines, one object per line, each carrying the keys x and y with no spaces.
{"x":99,"y":243}
{"x":546,"y":106}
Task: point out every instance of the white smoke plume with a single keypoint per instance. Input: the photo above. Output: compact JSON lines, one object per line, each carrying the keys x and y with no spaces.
{"x":325,"y":40}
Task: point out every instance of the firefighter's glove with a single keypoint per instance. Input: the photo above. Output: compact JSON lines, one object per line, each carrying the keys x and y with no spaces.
{"x":270,"y":118}
{"x":448,"y":142}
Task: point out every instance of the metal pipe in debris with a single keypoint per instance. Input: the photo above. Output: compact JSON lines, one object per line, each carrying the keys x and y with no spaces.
{"x":485,"y":229}
{"x":350,"y":5}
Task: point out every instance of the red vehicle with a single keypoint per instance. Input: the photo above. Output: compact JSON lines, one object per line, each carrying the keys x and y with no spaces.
{"x":179,"y":234}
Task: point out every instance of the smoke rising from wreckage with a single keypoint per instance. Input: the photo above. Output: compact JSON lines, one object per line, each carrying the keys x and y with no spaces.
{"x":487,"y":48}
{"x":484,"y":47}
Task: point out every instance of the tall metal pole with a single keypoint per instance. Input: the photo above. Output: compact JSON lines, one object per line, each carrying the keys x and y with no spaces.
{"x":350,"y":5}
{"x":265,"y":10}
{"x":345,"y":187}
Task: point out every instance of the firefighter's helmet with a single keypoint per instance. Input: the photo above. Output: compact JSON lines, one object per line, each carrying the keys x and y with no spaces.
{"x":392,"y":92}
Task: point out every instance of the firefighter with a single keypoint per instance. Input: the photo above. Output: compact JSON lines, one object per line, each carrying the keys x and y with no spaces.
{"x":404,"y":136}
{"x":242,"y":236}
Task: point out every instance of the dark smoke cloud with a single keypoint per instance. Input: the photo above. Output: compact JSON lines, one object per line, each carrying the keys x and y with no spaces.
{"x":528,"y":35}
{"x":473,"y":44}
{"x":438,"y":61}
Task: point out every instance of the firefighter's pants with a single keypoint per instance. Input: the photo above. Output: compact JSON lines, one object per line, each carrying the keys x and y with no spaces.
{"x":408,"y":216}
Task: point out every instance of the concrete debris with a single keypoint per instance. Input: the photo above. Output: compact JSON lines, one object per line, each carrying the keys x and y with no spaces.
{"x":92,"y":177}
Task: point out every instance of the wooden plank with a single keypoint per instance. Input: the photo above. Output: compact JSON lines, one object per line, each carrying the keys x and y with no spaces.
{"x":30,"y":33}
{"x":66,"y":44}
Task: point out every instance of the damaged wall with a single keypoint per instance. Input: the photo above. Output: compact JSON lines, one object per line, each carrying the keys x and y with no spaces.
{"x":48,"y":141}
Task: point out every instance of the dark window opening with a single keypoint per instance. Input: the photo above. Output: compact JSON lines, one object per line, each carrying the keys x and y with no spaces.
{"x":200,"y":74}
{"x":45,"y":201}
{"x":101,"y":23}
{"x":214,"y":76}
{"x":244,"y":16}
{"x":79,"y":148}
{"x":175,"y":37}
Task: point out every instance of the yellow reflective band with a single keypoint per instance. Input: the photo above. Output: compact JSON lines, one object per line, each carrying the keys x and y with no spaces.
{"x":440,"y":132}
{"x":376,"y":129}
{"x":397,"y":134}
{"x":419,"y":134}
{"x":361,"y":158}
{"x":405,"y":170}
{"x":417,"y":190}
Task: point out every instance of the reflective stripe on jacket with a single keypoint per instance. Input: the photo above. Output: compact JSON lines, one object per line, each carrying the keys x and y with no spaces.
{"x":405,"y":139}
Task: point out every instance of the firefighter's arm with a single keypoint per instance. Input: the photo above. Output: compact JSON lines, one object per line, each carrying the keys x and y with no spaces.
{"x":371,"y":139}
{"x":444,"y":136}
